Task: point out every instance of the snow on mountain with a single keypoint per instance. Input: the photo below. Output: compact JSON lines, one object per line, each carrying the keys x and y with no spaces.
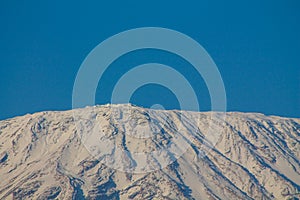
{"x":128,"y":152}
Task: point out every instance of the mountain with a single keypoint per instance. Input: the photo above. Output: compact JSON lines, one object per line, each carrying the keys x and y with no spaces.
{"x":128,"y":152}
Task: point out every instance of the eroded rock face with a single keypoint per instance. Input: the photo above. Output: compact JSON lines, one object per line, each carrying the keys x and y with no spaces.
{"x":42,"y":156}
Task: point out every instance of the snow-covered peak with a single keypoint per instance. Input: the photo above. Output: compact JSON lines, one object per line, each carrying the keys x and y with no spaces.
{"x":127,"y":152}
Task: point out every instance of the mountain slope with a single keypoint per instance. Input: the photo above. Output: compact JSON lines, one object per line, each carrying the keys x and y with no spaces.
{"x":50,"y":155}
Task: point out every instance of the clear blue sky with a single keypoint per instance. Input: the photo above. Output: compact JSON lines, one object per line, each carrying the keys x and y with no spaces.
{"x":255,"y":45}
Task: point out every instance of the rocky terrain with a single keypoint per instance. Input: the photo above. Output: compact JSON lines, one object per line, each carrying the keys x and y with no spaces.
{"x":128,"y":152}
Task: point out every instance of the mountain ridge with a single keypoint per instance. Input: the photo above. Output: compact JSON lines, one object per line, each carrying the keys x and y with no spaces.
{"x":134,"y":105}
{"x":257,"y":157}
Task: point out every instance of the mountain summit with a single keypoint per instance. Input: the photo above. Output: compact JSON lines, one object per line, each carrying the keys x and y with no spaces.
{"x":128,"y":152}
